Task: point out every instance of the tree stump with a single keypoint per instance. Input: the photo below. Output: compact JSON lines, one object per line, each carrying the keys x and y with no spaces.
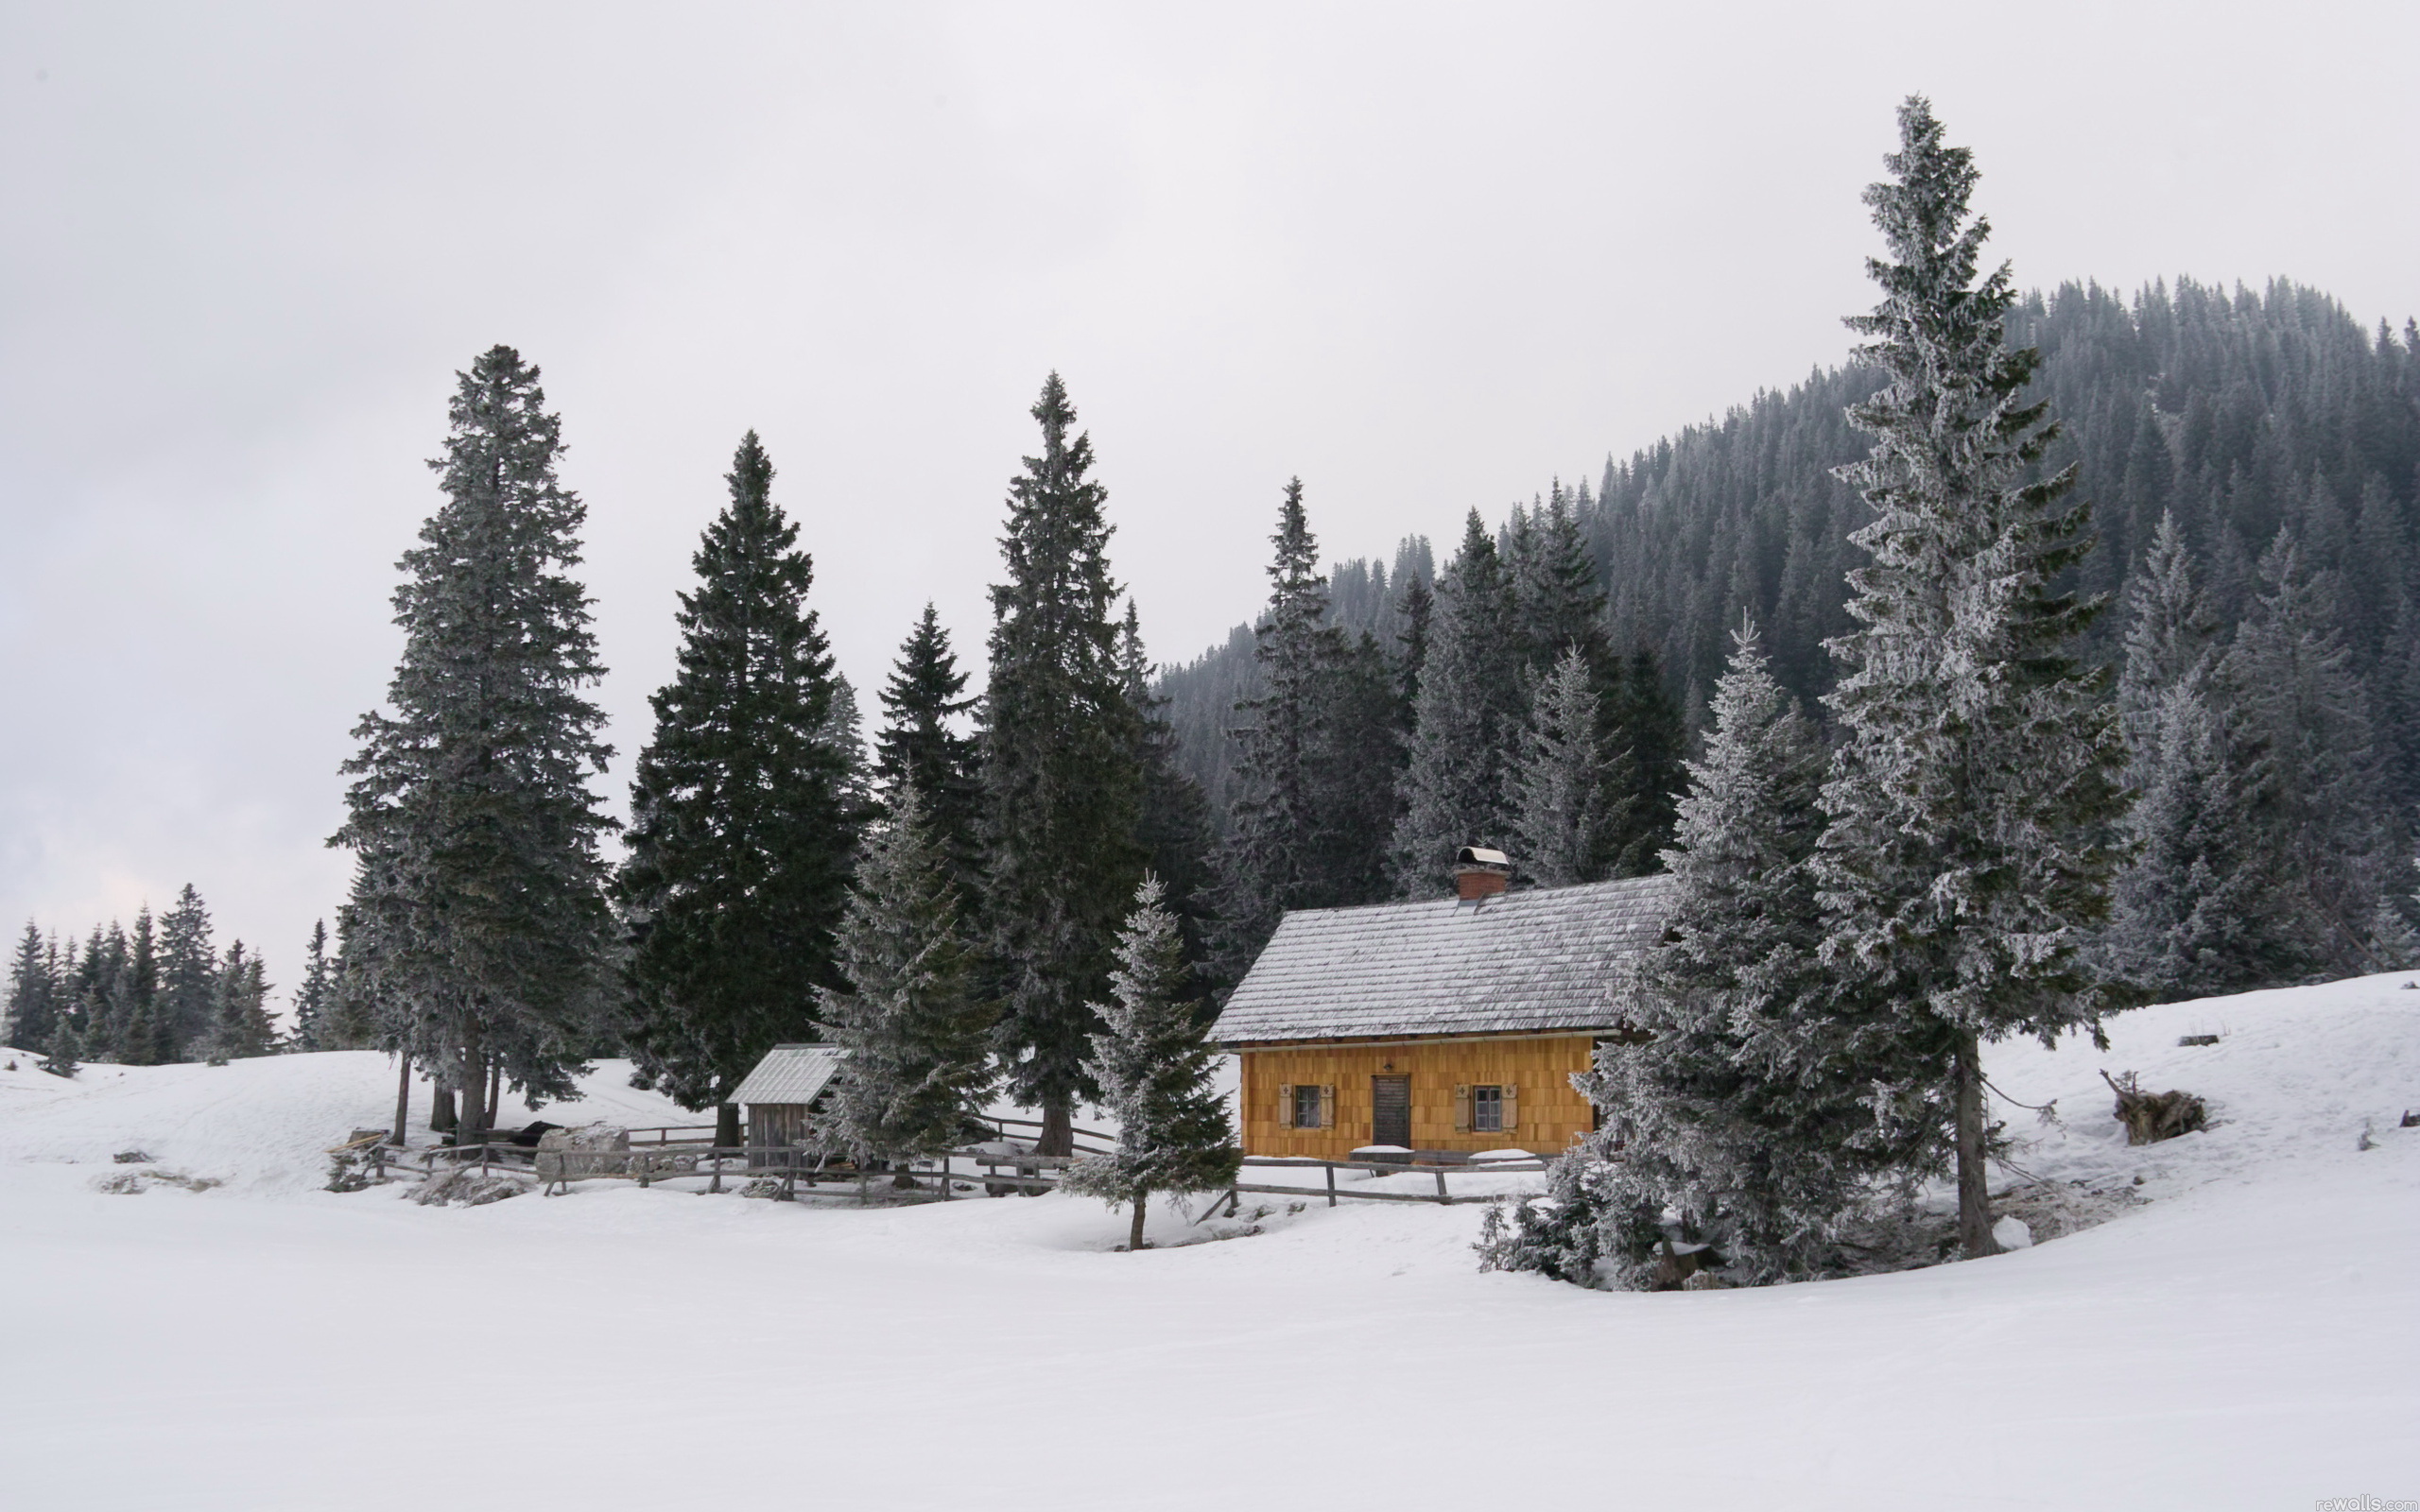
{"x":2150,"y":1117}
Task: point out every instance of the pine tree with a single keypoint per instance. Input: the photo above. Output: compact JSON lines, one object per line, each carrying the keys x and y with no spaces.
{"x":1154,"y":1070}
{"x":188,"y":992}
{"x":64,"y":1055}
{"x":1467,"y":724}
{"x":1559,"y":822}
{"x":478,"y":920}
{"x":33,"y":993}
{"x":1277,"y":833}
{"x":1740,"y":1093}
{"x":1558,"y":604}
{"x":314,"y":1020}
{"x":1644,"y":781}
{"x":744,"y":814}
{"x":1063,"y":790}
{"x":2303,"y":714}
{"x":1970,"y":801}
{"x":1172,"y":825}
{"x":2197,"y":910}
{"x":241,"y":1026}
{"x":919,"y":1039}
{"x":919,"y":747}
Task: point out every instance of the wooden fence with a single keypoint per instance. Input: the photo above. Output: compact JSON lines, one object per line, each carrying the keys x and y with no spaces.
{"x":667,"y":1158}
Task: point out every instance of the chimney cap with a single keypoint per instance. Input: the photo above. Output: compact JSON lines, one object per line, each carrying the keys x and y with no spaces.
{"x":1479,"y":856}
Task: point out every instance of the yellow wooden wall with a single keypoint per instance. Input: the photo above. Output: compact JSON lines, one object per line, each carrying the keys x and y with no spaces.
{"x":1552,"y":1113}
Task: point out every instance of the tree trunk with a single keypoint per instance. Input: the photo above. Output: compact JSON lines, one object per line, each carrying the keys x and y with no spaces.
{"x":496,"y":1088}
{"x":473,"y":1124}
{"x":440,"y":1109}
{"x":1974,"y":1191}
{"x":726,"y":1126}
{"x":1134,"y":1234}
{"x":1058,"y":1130}
{"x":403,"y":1097}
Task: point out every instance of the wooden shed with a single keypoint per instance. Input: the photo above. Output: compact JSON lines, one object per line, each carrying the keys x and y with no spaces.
{"x":779,"y":1097}
{"x":1441,"y":1026}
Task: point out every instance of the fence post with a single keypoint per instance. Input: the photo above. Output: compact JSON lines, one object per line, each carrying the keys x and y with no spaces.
{"x":1441,"y":1185}
{"x":1331,"y":1186}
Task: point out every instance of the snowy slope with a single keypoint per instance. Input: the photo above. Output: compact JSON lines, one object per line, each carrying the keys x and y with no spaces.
{"x":2244,"y":1340}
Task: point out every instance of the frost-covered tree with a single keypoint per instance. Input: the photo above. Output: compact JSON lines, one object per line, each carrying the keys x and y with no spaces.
{"x":1172,"y":823}
{"x":478,"y":919}
{"x":743,"y":818}
{"x":1647,"y":741}
{"x":1971,"y":797}
{"x":1062,"y":784}
{"x":314,"y":997}
{"x":919,"y":1039}
{"x":1154,"y":1070}
{"x":1467,"y":722}
{"x":65,"y":1052}
{"x":1563,"y":815}
{"x":2301,"y":713}
{"x":1742,"y":1097}
{"x":2197,"y":909}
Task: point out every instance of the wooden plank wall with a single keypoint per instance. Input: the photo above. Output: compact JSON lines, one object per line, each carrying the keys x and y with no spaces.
{"x":1552,"y":1113}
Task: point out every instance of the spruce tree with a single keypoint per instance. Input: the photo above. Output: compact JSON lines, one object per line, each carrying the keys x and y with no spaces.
{"x":1561,"y":825}
{"x":1154,"y":1070}
{"x":2302,"y":716}
{"x":1649,"y":742}
{"x":65,"y":1052}
{"x":33,"y":993}
{"x":919,"y":1038}
{"x":314,"y":1005}
{"x":743,"y":814}
{"x":1061,"y":787}
{"x":920,"y":748}
{"x":1736,"y":1099}
{"x":2197,"y":909}
{"x":1972,"y":797}
{"x":1277,"y":826}
{"x":1467,"y":722}
{"x":1172,"y":825}
{"x":241,"y":1027}
{"x":478,"y":918}
{"x":187,"y":1000}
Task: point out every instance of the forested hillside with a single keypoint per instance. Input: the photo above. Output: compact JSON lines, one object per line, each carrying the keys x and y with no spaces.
{"x":2240,"y":412}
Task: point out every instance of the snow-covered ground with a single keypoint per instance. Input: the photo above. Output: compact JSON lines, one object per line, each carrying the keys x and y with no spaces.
{"x":2248,"y":1338}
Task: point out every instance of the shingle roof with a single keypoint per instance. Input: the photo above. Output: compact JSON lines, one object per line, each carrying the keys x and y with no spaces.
{"x":1518,"y":962}
{"x":790,"y":1074}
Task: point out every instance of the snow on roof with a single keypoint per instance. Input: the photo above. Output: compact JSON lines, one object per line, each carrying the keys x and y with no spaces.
{"x":1518,"y":962}
{"x":790,"y":1074}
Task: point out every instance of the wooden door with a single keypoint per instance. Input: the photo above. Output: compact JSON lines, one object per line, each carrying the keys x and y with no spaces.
{"x":1390,"y":1110}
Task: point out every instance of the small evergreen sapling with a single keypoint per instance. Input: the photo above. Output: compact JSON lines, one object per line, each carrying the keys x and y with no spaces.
{"x":1153,"y":1068}
{"x":919,"y":1041}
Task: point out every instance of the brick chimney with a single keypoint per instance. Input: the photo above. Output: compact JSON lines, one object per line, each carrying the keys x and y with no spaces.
{"x":1479,"y":872}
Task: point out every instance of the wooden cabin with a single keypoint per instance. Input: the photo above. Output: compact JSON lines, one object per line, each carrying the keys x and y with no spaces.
{"x":1444,"y":1027}
{"x":779,"y":1097}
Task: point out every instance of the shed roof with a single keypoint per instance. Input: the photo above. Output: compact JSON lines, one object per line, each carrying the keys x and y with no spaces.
{"x":1518,"y":962}
{"x":790,"y":1074}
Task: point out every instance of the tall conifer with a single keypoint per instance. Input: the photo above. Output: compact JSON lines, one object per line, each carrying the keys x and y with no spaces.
{"x":1971,"y":799}
{"x":1467,"y":722}
{"x":1062,"y":787}
{"x":478,"y":920}
{"x":921,"y":746}
{"x":743,"y":813}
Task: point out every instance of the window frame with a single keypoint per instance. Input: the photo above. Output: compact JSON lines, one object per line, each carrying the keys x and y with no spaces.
{"x":1487,"y":1108}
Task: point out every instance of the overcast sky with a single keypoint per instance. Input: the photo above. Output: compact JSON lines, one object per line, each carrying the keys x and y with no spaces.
{"x":1429,"y":258}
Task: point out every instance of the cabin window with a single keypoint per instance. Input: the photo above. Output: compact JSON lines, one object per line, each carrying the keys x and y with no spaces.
{"x":1308,"y":1109}
{"x":1487,"y":1109}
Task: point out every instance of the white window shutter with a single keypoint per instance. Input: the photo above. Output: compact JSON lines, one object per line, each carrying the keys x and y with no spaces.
{"x":1511,"y":1108}
{"x":1286,"y":1107}
{"x":1461,"y":1110}
{"x":1328,"y":1106}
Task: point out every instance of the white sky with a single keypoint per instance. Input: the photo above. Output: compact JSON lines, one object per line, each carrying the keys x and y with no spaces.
{"x":1426,"y":257}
